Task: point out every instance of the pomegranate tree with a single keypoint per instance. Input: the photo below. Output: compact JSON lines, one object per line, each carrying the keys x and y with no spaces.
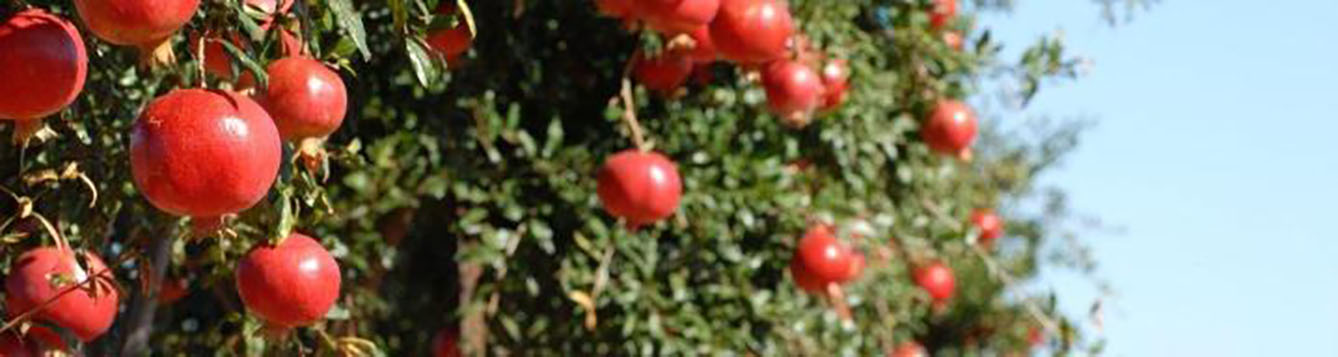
{"x":42,"y":68}
{"x":145,"y":24}
{"x":794,"y":91}
{"x":204,"y":153}
{"x":80,"y":299}
{"x":292,"y":284}
{"x":991,"y":227}
{"x":950,"y":129}
{"x":640,"y":187}
{"x":836,"y":80}
{"x":676,"y":16}
{"x":305,"y":98}
{"x":664,"y":73}
{"x":454,"y":40}
{"x":936,"y":279}
{"x":752,"y":31}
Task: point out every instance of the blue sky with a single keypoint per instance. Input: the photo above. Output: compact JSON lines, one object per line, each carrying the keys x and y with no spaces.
{"x":1214,"y":151}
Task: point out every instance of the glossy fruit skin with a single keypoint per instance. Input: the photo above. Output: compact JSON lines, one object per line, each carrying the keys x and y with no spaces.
{"x":826,"y":258}
{"x":641,"y":187}
{"x":12,"y":345}
{"x":29,"y":285}
{"x":305,"y":98}
{"x":450,"y":42}
{"x":805,"y":278}
{"x":676,"y":16}
{"x":135,"y":22}
{"x":942,"y":13}
{"x":43,"y":65}
{"x":793,"y":89}
{"x":446,"y":343}
{"x":290,"y":285}
{"x":836,"y":79}
{"x":937,"y":280}
{"x":991,"y":227}
{"x":752,"y":32}
{"x":909,"y":349}
{"x":704,"y":51}
{"x":204,"y":153}
{"x":664,"y":73}
{"x":950,"y":129}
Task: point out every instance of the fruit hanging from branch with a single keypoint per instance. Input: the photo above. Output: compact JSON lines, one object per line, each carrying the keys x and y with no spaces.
{"x":144,"y":24}
{"x":48,"y":284}
{"x":942,"y":13}
{"x":989,"y":224}
{"x":752,"y":32}
{"x":909,"y":349}
{"x":664,"y":73}
{"x":43,"y":65}
{"x":639,"y":187}
{"x":676,"y":16}
{"x":292,"y":284}
{"x":305,"y":98}
{"x":452,"y":40}
{"x":836,"y":80}
{"x":937,"y":280}
{"x":204,"y":154}
{"x":950,"y":129}
{"x":794,"y":91}
{"x":821,"y":259}
{"x":701,"y":48}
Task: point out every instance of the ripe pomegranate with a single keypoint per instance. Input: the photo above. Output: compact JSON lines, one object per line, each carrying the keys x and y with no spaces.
{"x":825,"y":257}
{"x":615,"y":8}
{"x":909,"y":349}
{"x":805,"y":278}
{"x":857,"y":263}
{"x":942,"y":13}
{"x":446,"y":343}
{"x":950,"y":129}
{"x":204,"y":153}
{"x":794,"y":91}
{"x":664,"y":73}
{"x":677,"y":16}
{"x":703,"y":48}
{"x":641,"y":187}
{"x":14,"y":345}
{"x":450,"y":42}
{"x":50,"y":274}
{"x":937,"y":280}
{"x":836,"y":79}
{"x":305,"y":98}
{"x":289,"y":285}
{"x":752,"y":31}
{"x":954,"y":40}
{"x":990,"y":225}
{"x":146,"y":24}
{"x":43,"y":66}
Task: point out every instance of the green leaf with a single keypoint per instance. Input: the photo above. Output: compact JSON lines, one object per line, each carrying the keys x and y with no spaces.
{"x":350,"y":20}
{"x":261,"y":76}
{"x":425,"y":68}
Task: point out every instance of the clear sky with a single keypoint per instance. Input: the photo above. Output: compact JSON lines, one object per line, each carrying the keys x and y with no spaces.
{"x":1214,"y":149}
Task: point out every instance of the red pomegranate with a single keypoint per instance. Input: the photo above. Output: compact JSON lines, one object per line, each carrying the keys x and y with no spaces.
{"x":14,"y":345}
{"x":909,"y":349}
{"x":836,"y":79}
{"x":703,"y":48}
{"x":954,"y":40}
{"x":857,"y":263}
{"x":937,"y":280}
{"x":450,"y":42}
{"x":990,"y":225}
{"x":752,"y":31}
{"x":794,"y":91}
{"x":942,"y":13}
{"x":1035,"y":337}
{"x":615,"y":8}
{"x":446,"y":343}
{"x":822,"y":255}
{"x":676,"y":16}
{"x":805,"y":278}
{"x":85,"y":308}
{"x":204,"y":153}
{"x":641,"y":187}
{"x":664,"y":73}
{"x":146,"y":24}
{"x":43,"y":66}
{"x":172,"y":290}
{"x":289,"y":285}
{"x":950,"y":129}
{"x":305,"y":98}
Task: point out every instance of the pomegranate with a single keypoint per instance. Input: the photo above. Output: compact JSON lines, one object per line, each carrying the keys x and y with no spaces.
{"x":305,"y":98}
{"x":14,"y":345}
{"x":752,"y":31}
{"x":836,"y":78}
{"x":43,"y":63}
{"x":794,"y":91}
{"x":450,"y":42}
{"x":942,"y":13}
{"x":990,"y":225}
{"x":703,"y":49}
{"x":289,"y":285}
{"x":173,"y":290}
{"x":146,"y":24}
{"x":857,"y":263}
{"x":45,"y":274}
{"x":641,"y":187}
{"x":953,"y":40}
{"x":664,"y":73}
{"x":937,"y":280}
{"x":218,"y":61}
{"x":677,"y":16}
{"x":822,"y":255}
{"x":909,"y":349}
{"x":446,"y":343}
{"x":204,"y":154}
{"x":950,"y":129}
